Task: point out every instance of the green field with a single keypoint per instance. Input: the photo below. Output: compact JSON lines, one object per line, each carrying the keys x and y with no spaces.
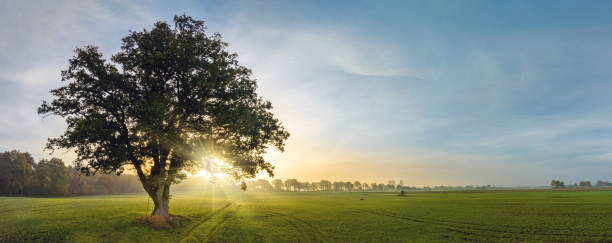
{"x":317,"y":216}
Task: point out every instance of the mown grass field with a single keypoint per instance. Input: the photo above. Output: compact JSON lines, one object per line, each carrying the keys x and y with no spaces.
{"x":317,"y":217}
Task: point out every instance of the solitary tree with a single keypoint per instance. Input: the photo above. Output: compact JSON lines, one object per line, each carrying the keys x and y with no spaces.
{"x":170,"y":99}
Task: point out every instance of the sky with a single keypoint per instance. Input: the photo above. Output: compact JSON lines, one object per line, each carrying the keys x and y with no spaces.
{"x":507,"y":93}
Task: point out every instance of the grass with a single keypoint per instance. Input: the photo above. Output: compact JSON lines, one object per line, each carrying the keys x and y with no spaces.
{"x":314,"y":217}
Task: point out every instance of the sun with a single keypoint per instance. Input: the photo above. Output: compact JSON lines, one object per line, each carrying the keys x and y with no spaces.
{"x":213,"y":168}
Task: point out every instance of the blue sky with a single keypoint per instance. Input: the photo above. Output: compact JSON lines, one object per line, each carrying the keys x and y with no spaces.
{"x":431,"y":92}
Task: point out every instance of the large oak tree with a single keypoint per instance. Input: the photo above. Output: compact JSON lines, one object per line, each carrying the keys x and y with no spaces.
{"x":172,"y":98}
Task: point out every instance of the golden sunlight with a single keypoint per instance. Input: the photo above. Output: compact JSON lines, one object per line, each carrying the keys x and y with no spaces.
{"x":212,"y":169}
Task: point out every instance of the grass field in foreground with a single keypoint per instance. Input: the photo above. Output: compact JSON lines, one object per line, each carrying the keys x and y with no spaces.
{"x":318,"y":216}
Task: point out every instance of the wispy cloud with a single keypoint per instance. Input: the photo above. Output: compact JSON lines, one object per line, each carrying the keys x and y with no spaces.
{"x":38,"y":37}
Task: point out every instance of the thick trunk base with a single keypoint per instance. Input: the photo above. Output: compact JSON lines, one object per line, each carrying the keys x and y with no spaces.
{"x":161,"y":210}
{"x":161,"y":201}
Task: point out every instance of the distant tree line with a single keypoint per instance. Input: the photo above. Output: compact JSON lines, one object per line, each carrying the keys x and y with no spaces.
{"x":294,"y":185}
{"x":584,"y":184}
{"x":20,"y":175}
{"x":323,"y":185}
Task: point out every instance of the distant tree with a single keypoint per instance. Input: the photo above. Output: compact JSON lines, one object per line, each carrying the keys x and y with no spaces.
{"x":16,"y":172}
{"x":365,"y":186}
{"x":315,"y":186}
{"x":585,"y":184}
{"x":325,"y":185}
{"x":400,"y":185}
{"x":299,"y":186}
{"x":391,"y":185}
{"x":357,"y":185}
{"x":602,"y":183}
{"x":338,"y":186}
{"x":306,"y":186}
{"x":172,"y":97}
{"x":348,"y":186}
{"x":263,"y":185}
{"x":52,"y":177}
{"x":557,"y":184}
{"x":251,"y":185}
{"x":278,"y":184}
{"x":292,"y":185}
{"x":91,"y":185}
{"x":77,"y":184}
{"x":374,"y":186}
{"x":109,"y":183}
{"x":128,"y":184}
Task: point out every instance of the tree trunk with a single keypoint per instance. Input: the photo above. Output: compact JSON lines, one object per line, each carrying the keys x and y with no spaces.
{"x":161,"y":200}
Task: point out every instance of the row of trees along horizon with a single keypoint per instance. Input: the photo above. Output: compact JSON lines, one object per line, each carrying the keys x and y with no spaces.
{"x":20,"y":175}
{"x":561,"y":184}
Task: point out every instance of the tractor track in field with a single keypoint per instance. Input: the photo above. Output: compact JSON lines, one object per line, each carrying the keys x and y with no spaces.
{"x":466,"y":227}
{"x":32,"y":208}
{"x":210,"y":216}
{"x":296,"y":224}
{"x":215,"y":228}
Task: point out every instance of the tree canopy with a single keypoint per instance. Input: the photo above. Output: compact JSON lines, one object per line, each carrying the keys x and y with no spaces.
{"x":170,"y":100}
{"x":15,"y":172}
{"x":53,"y":177}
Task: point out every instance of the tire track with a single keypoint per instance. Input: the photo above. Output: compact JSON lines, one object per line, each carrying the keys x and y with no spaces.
{"x":210,"y":216}
{"x":32,"y":208}
{"x":215,"y":228}
{"x":308,"y":224}
{"x":462,"y":226}
{"x":295,"y":223}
